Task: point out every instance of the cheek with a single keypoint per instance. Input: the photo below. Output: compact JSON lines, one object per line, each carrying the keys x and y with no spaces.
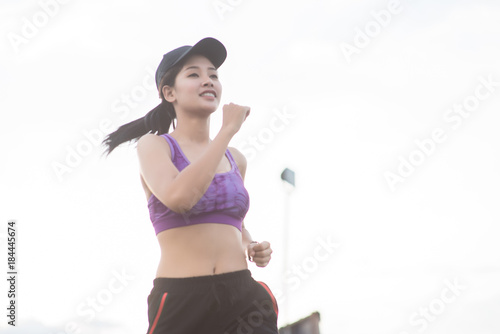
{"x":218,"y":86}
{"x":187,"y":90}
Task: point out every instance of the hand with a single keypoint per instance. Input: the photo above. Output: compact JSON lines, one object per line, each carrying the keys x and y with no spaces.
{"x":233,"y":116}
{"x":260,"y":253}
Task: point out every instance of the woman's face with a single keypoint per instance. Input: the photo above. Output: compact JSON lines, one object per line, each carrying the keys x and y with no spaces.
{"x":197,"y":87}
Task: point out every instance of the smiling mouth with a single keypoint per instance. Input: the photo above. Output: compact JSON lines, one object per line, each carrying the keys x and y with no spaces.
{"x":212,"y":94}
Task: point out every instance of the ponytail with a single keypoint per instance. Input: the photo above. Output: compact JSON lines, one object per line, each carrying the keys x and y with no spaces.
{"x":156,"y":121}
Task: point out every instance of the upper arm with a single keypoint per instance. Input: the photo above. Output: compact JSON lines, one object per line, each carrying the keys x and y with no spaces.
{"x":156,"y":165}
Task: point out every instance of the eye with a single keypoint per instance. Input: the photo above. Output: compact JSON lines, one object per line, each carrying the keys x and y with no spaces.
{"x":194,"y":75}
{"x":214,"y":76}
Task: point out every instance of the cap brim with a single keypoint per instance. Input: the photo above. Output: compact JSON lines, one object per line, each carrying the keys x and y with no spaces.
{"x":210,"y":48}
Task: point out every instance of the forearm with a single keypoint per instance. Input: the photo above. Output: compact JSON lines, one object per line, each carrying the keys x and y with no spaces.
{"x":246,"y":237}
{"x":193,"y":181}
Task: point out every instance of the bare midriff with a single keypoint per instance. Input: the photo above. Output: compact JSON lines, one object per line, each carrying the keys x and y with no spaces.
{"x":199,"y":250}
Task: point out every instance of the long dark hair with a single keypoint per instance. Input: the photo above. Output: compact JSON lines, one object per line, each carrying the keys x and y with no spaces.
{"x":156,"y":121}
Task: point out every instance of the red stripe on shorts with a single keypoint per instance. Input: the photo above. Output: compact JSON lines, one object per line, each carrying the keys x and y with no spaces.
{"x":162,"y":303}
{"x":275,"y":304}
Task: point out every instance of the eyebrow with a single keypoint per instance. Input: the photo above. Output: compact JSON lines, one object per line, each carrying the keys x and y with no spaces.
{"x":197,"y":67}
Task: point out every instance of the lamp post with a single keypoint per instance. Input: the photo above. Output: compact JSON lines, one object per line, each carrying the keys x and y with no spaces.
{"x":288,"y":176}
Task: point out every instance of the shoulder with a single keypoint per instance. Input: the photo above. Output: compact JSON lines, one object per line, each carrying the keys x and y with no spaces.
{"x":148,"y":138}
{"x":240,"y":159}
{"x":150,"y":143}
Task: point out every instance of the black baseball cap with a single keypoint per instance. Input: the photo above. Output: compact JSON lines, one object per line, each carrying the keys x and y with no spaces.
{"x":208,"y":47}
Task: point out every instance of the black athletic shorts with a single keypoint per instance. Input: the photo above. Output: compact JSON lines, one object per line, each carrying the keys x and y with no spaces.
{"x":229,"y":303}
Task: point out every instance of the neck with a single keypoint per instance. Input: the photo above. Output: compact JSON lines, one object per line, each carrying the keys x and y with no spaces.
{"x":192,"y":129}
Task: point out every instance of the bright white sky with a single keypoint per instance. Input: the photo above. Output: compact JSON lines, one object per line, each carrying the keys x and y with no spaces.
{"x":353,"y":117}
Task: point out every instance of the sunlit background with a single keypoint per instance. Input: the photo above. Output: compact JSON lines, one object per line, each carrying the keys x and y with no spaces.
{"x":387,"y":111}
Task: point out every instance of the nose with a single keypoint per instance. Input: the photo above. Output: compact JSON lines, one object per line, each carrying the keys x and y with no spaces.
{"x":208,"y":81}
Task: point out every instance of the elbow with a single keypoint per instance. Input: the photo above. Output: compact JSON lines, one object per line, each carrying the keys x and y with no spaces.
{"x":177,"y":202}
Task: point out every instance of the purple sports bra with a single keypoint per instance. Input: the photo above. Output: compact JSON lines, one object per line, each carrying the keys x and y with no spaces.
{"x":226,"y":200}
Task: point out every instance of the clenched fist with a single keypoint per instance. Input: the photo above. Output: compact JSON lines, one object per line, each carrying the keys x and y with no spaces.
{"x":260,"y":253}
{"x":233,"y":116}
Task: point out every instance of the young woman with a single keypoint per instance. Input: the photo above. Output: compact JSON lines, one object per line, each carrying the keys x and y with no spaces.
{"x":197,"y":202}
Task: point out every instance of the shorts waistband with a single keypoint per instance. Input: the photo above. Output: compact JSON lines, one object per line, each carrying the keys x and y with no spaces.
{"x":202,"y":283}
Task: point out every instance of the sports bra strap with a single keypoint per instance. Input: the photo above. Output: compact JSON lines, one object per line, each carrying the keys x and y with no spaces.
{"x":169,"y":141}
{"x":231,"y":159}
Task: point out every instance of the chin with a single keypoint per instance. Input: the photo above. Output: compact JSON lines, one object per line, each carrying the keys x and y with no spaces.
{"x":207,"y":109}
{"x":210,"y":108}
